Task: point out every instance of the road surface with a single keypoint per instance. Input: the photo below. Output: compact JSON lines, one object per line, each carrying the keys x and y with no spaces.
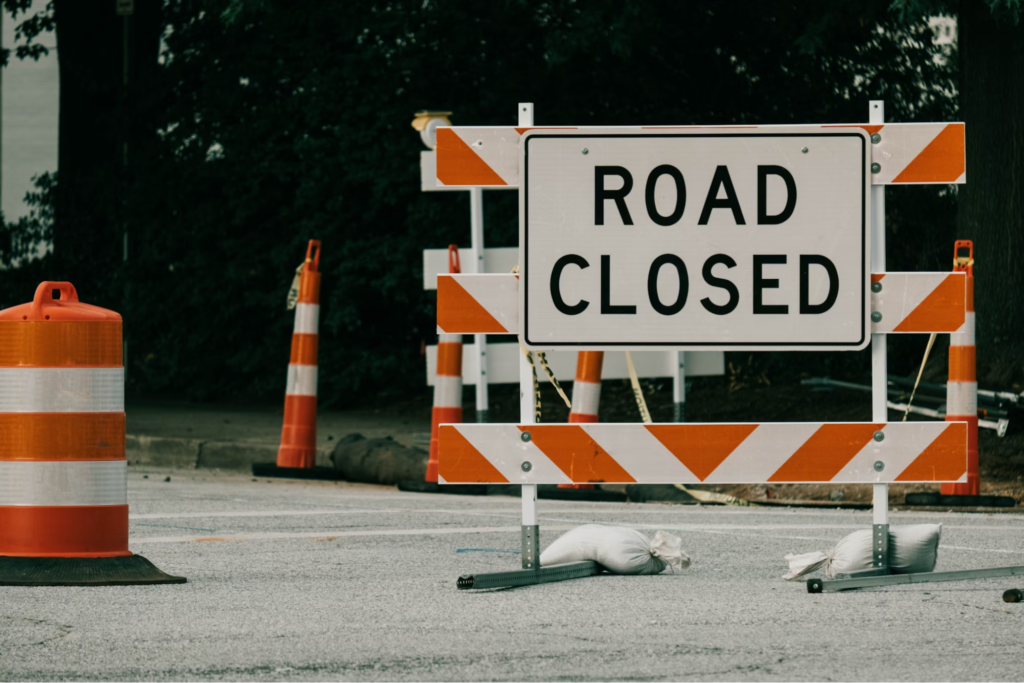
{"x":313,"y":581}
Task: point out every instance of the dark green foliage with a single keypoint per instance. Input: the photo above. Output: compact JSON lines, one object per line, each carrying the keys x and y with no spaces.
{"x":280,"y":122}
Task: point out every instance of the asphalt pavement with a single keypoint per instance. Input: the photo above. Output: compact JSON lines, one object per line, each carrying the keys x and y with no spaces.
{"x":311,"y":581}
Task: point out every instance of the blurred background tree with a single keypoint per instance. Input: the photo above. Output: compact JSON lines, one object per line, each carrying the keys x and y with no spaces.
{"x":254,"y":125}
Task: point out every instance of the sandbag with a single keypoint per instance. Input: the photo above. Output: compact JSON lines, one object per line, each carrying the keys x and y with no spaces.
{"x":913,"y":548}
{"x":378,"y":461}
{"x":618,"y":549}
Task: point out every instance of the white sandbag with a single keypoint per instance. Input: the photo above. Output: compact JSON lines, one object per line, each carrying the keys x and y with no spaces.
{"x":916,"y":548}
{"x":617,"y":549}
{"x":913,"y":548}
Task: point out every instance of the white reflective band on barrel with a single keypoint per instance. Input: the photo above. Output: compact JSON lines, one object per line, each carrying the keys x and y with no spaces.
{"x":586,"y":397}
{"x":307,"y":318}
{"x":101,"y":482}
{"x":61,"y":390}
{"x":965,"y":338}
{"x":962,"y":398}
{"x":301,"y":380}
{"x":447,"y":392}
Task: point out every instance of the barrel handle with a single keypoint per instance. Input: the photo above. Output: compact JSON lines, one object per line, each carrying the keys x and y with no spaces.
{"x":44,"y":294}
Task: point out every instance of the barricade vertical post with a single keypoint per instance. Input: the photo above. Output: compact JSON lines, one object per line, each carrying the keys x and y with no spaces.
{"x":879,"y":381}
{"x":476,"y":214}
{"x":531,"y":530}
{"x":962,"y":386}
{"x":678,"y":387}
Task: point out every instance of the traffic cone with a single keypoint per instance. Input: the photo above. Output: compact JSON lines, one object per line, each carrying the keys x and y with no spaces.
{"x":298,"y":436}
{"x":586,"y":395}
{"x":63,"y":471}
{"x":962,"y":387}
{"x":448,"y":380}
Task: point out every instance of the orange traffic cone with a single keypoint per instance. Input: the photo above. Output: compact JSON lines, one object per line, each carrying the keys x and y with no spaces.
{"x":586,"y":395}
{"x":962,"y":387}
{"x":296,"y":456}
{"x":64,"y":498}
{"x":448,"y":380}
{"x":298,"y":436}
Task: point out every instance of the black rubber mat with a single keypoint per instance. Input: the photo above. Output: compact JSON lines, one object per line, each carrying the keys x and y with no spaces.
{"x":82,"y":571}
{"x":269,"y":469}
{"x":450,"y":489}
{"x":936,"y":499}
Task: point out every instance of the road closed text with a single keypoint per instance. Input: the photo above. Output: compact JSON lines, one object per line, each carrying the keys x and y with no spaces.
{"x":707,"y":241}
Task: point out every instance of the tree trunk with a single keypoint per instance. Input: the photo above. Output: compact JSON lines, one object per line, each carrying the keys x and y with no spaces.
{"x":89,"y":59}
{"x":991,"y":204}
{"x":104,"y":126}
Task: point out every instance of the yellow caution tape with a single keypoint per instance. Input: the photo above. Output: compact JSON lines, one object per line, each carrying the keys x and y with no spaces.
{"x":928,"y":349}
{"x":638,"y":393}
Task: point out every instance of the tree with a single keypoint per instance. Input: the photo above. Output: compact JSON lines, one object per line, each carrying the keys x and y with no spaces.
{"x":267,"y":123}
{"x":992,"y":202}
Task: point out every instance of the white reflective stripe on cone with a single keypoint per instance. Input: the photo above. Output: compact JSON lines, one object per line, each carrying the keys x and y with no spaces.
{"x":301,"y":380}
{"x":449,"y":338}
{"x":965,"y":338}
{"x":61,"y":390}
{"x":62,"y":483}
{"x":962,"y":398}
{"x":307,"y":318}
{"x":447,"y":392}
{"x":586,"y":397}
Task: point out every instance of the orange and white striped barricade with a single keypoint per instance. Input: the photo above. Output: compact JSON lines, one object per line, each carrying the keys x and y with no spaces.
{"x":901,"y":303}
{"x":296,"y":456}
{"x":555,"y":223}
{"x":905,"y":153}
{"x":63,"y":472}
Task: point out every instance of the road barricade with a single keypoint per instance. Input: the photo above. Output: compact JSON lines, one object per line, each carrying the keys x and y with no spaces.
{"x":616,"y":250}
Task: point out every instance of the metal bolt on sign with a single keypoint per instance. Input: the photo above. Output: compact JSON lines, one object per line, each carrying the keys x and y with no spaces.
{"x":879,"y":436}
{"x":876,"y":317}
{"x":876,"y":287}
{"x":875,"y":138}
{"x":879,"y":466}
{"x":525,"y":436}
{"x":876,"y":168}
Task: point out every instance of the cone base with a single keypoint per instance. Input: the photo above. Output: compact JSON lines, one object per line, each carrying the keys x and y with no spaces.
{"x":269,"y":469}
{"x":294,"y":457}
{"x":82,"y":571}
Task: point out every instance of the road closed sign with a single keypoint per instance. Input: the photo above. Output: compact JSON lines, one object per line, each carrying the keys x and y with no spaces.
{"x":697,"y":237}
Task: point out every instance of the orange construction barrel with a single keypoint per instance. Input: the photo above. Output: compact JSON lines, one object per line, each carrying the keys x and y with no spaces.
{"x":63,"y":471}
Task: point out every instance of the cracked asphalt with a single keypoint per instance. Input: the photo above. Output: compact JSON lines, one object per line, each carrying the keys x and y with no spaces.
{"x":314,"y":581}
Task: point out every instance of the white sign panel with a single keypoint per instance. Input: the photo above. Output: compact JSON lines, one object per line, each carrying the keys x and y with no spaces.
{"x":696,"y":238}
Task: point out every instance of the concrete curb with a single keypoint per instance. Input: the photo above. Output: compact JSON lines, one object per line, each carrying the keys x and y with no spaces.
{"x":163,"y":451}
